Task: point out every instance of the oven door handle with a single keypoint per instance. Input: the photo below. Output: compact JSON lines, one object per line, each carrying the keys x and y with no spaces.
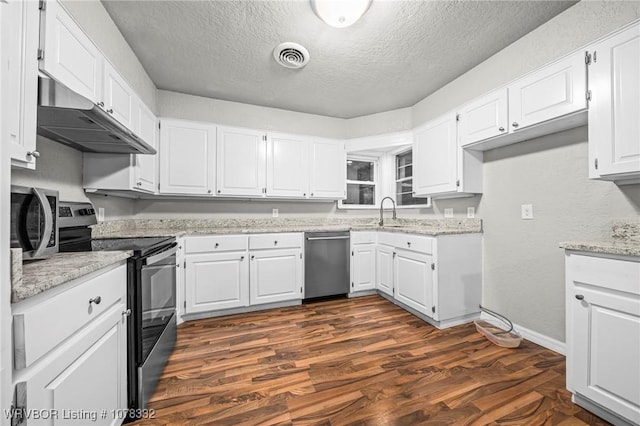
{"x":173,"y":249}
{"x":48,"y":221}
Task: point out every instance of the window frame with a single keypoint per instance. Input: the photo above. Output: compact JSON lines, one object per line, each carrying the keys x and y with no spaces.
{"x":376,"y":182}
{"x":394,"y":154}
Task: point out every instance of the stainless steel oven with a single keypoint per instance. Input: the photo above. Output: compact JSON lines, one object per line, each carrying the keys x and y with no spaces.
{"x":34,"y":221}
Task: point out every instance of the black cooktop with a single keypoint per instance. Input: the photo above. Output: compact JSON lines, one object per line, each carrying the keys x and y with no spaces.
{"x":140,"y":246}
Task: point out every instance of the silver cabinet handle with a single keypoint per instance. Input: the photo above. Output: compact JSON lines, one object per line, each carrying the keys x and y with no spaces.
{"x":514,"y":124}
{"x":579,"y":297}
{"x":95,"y":300}
{"x":501,"y":128}
{"x":126,"y":313}
{"x":35,"y":154}
{"x":110,"y":110}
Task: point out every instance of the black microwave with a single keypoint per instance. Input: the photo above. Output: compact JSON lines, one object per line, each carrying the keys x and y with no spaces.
{"x":34,"y":221}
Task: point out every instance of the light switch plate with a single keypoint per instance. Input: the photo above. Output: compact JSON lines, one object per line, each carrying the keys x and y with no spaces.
{"x":471,"y":212}
{"x":448,"y":213}
{"x":527,"y":211}
{"x":274,"y":212}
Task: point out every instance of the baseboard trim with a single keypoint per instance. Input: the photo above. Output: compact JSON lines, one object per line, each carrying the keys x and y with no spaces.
{"x":535,"y":337}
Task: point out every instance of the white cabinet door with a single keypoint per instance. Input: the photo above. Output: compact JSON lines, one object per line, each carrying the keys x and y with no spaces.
{"x":551,"y":92}
{"x":216,"y":281}
{"x":275,"y":276}
{"x":146,"y":171}
{"x":70,"y":57}
{"x":241,"y":162}
{"x":605,"y":366}
{"x":328,"y":168}
{"x":19,"y":51}
{"x":119,"y":99}
{"x":187,"y":157}
{"x":363,"y":267}
{"x":384,"y":269}
{"x":614,"y":110}
{"x":413,"y":279}
{"x":89,"y":376}
{"x":287,"y":166}
{"x":435,"y":152}
{"x":484,"y":118}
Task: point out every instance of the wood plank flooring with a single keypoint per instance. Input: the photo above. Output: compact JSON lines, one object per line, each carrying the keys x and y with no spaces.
{"x":356,"y":361}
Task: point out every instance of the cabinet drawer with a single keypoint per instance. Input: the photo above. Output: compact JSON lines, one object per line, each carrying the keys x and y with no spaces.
{"x":41,"y":327}
{"x":417,"y":243}
{"x":270,"y":241}
{"x":610,"y":274}
{"x":215,"y":243}
{"x":363,"y":237}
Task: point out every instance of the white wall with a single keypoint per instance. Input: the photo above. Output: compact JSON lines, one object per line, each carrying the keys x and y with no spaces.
{"x":197,"y":108}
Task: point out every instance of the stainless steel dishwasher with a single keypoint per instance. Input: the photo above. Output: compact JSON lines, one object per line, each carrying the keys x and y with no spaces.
{"x":326,"y":267}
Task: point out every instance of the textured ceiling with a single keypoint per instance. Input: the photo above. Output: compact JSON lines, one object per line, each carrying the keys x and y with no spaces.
{"x":396,"y":55}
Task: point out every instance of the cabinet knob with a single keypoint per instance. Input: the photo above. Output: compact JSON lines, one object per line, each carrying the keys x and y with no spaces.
{"x":252,"y":257}
{"x":275,"y":243}
{"x":501,"y":128}
{"x":209,"y":191}
{"x":35,"y":154}
{"x":312,"y":194}
{"x":304,"y":195}
{"x":126,"y":313}
{"x":219,"y":191}
{"x":579,"y":297}
{"x":514,"y":124}
{"x":139,"y":184}
{"x":408,"y":243}
{"x":100,"y":104}
{"x":95,"y":300}
{"x":216,"y":246}
{"x":241,"y":257}
{"x":110,"y":110}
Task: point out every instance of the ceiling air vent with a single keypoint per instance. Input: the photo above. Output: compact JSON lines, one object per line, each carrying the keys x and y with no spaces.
{"x":291,"y":55}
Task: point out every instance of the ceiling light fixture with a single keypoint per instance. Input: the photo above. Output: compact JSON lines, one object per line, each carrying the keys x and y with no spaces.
{"x":340,"y":13}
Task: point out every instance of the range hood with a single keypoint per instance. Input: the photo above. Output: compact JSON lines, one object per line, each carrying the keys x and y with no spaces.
{"x":69,"y":118}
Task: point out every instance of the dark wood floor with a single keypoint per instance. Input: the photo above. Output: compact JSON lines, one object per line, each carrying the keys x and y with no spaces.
{"x":356,"y":361}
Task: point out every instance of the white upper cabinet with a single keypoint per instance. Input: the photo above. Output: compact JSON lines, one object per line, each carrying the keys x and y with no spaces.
{"x":119,"y":98}
{"x":187,"y":157}
{"x":287,"y":171}
{"x":614,"y":110}
{"x":241,"y":162}
{"x":69,"y":56}
{"x":19,"y":50}
{"x":484,"y":118}
{"x":328,"y":168}
{"x":146,"y":127}
{"x":553,"y":91}
{"x":435,"y":157}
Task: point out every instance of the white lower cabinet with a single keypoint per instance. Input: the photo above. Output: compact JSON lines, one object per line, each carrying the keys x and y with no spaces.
{"x":439,"y":278}
{"x":224,"y":272}
{"x":81,"y":378}
{"x":413,"y":281}
{"x":603,"y":335}
{"x":363,"y":267}
{"x":216,"y":281}
{"x":384,"y":269}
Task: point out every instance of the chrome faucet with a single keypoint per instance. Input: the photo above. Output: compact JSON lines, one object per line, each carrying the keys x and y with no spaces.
{"x":381,"y":223}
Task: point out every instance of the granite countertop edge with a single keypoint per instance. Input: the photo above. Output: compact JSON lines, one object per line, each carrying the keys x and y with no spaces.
{"x":169,"y":232}
{"x":41,"y":275}
{"x":615,"y":247}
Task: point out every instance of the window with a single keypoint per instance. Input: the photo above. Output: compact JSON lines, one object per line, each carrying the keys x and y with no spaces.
{"x":361,"y":182}
{"x":404,"y":180}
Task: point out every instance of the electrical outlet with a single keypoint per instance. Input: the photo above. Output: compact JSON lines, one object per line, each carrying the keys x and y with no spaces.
{"x":527,"y":211}
{"x":100,"y":215}
{"x":471,"y":212}
{"x":274,"y":212}
{"x":448,"y":213}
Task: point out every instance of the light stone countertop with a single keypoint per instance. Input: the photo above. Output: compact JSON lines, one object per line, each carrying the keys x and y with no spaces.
{"x":38,"y":276}
{"x":177,"y":227}
{"x":624,"y":241}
